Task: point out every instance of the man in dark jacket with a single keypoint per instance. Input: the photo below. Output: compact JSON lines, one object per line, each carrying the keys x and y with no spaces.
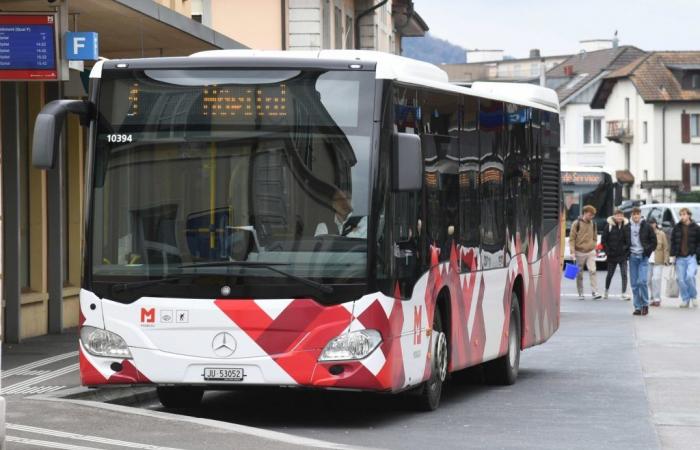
{"x":642,"y":245}
{"x":685,"y":250}
{"x":616,"y":242}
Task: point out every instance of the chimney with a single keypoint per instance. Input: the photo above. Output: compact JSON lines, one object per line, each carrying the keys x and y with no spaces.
{"x":543,"y":73}
{"x":569,"y":70}
{"x":534,"y":53}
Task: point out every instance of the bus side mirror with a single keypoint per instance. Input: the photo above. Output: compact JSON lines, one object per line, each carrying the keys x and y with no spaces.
{"x":407,"y":162}
{"x":48,"y":127}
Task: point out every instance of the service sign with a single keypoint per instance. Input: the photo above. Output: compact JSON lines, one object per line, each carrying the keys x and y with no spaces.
{"x":28,"y":47}
{"x":586,"y":178}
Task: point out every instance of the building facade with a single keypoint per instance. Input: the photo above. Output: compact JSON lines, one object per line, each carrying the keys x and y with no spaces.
{"x":576,"y":80}
{"x":652,"y":114}
{"x":312,"y":24}
{"x":517,"y":70}
{"x":42,"y":212}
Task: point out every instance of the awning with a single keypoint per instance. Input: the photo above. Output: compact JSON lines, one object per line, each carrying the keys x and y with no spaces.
{"x":624,"y":177}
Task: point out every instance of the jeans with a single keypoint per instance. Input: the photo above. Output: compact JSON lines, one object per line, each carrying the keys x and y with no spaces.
{"x":587,"y":260}
{"x":686,"y":268}
{"x":655,"y":273}
{"x":612,"y":266}
{"x":639,"y":268}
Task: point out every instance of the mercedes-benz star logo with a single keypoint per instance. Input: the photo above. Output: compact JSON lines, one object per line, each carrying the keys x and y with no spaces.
{"x":223,"y":344}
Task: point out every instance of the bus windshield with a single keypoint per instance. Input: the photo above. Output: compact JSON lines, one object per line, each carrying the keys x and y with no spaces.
{"x":587,"y":188}
{"x":196,"y":169}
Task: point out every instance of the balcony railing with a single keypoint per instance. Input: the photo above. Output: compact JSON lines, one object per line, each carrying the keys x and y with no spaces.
{"x":619,"y":131}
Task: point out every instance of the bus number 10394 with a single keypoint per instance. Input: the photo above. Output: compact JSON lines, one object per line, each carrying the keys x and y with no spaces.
{"x":119,"y":138}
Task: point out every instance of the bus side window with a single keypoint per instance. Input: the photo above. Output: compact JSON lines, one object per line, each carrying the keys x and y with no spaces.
{"x":470,"y":223}
{"x":491,"y":143}
{"x":439,"y":129}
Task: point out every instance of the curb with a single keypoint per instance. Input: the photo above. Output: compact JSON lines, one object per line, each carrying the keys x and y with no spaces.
{"x":125,"y":396}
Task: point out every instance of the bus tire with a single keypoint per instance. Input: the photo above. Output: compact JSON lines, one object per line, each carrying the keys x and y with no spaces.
{"x":179,"y":396}
{"x":504,"y":370}
{"x":429,"y":393}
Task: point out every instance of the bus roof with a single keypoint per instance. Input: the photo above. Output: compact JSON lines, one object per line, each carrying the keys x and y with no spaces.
{"x":387,"y":66}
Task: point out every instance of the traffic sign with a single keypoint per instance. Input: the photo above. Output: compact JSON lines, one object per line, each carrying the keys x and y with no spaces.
{"x":82,"y":46}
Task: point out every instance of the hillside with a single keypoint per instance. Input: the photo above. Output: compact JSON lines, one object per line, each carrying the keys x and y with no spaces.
{"x":433,"y":50}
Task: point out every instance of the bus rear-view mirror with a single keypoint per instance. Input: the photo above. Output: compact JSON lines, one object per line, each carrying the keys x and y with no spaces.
{"x":48,"y":127}
{"x":407,"y":162}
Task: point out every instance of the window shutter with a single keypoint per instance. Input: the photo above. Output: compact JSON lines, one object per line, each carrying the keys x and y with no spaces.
{"x":685,"y":128}
{"x":686,"y":176}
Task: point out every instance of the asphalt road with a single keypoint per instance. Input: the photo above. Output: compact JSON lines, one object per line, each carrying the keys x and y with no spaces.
{"x":606,"y":379}
{"x":582,"y":389}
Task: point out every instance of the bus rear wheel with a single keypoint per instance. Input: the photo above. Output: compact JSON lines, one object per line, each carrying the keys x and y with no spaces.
{"x":428,"y":395}
{"x":179,"y":396}
{"x":504,"y":370}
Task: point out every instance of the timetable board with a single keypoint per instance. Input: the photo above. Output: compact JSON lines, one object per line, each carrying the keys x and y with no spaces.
{"x":28,"y":49}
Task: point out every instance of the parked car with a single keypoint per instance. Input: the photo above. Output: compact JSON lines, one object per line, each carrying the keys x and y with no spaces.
{"x":627,"y":205}
{"x":667,"y":214}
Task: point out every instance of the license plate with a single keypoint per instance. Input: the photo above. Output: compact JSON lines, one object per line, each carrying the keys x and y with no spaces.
{"x":223,"y":374}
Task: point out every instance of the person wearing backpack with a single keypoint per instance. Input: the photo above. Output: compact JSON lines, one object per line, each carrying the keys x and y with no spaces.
{"x":685,"y":251}
{"x":616,"y":242}
{"x":583,"y":239}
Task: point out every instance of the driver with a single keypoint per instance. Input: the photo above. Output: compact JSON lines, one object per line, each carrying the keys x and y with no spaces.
{"x":344,"y":223}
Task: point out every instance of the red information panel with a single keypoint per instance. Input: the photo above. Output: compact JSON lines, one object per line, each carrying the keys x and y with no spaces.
{"x":28,"y":47}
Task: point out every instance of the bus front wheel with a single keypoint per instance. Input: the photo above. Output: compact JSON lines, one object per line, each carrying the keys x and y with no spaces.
{"x":504,"y":370}
{"x":179,"y":396}
{"x":428,"y":395}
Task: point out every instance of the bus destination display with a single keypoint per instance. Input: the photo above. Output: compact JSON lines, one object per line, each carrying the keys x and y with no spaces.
{"x":28,"y":47}
{"x":222,"y":103}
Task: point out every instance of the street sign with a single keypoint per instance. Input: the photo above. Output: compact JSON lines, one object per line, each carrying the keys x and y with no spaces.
{"x":28,"y":48}
{"x":81,"y":46}
{"x":661,"y":184}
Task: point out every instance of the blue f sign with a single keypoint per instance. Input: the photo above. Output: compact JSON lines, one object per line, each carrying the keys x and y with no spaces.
{"x":81,"y":46}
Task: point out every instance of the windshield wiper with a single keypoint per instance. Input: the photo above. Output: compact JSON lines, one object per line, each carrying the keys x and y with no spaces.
{"x":123,"y":287}
{"x":269,"y":266}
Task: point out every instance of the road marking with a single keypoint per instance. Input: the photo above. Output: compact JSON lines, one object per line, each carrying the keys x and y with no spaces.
{"x":21,"y":370}
{"x":38,"y":389}
{"x":276,"y":436}
{"x":17,"y":388}
{"x":50,"y":444}
{"x":84,"y":437}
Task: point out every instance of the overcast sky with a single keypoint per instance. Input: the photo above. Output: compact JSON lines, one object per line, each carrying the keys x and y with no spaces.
{"x":556,"y":26}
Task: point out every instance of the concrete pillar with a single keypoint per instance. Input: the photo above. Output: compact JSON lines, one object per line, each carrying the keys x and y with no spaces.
{"x":9,"y":141}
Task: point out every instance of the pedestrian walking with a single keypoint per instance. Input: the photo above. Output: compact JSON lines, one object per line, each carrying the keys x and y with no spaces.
{"x":685,"y":250}
{"x":659,"y":259}
{"x":583,"y":239}
{"x":642,"y":245}
{"x":616,"y":242}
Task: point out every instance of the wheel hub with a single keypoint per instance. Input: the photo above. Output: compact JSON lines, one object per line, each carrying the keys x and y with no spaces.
{"x":441,"y":356}
{"x":512,"y":344}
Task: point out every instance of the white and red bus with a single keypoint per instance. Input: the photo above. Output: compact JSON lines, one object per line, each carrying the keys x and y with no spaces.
{"x":333,"y":219}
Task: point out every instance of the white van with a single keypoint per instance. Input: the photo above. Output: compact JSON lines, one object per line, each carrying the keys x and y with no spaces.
{"x":667,"y":214}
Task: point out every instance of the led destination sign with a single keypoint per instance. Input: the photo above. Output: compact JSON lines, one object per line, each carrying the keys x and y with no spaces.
{"x":28,"y":47}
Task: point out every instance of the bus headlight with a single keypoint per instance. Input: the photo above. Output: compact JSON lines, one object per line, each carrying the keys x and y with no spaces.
{"x":354,"y":345}
{"x":101,"y":342}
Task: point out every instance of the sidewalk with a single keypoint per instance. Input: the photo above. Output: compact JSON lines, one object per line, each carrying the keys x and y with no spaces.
{"x":37,"y":373}
{"x":668,"y":341}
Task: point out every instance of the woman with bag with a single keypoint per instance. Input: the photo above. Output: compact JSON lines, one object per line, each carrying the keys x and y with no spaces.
{"x":658,"y":260}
